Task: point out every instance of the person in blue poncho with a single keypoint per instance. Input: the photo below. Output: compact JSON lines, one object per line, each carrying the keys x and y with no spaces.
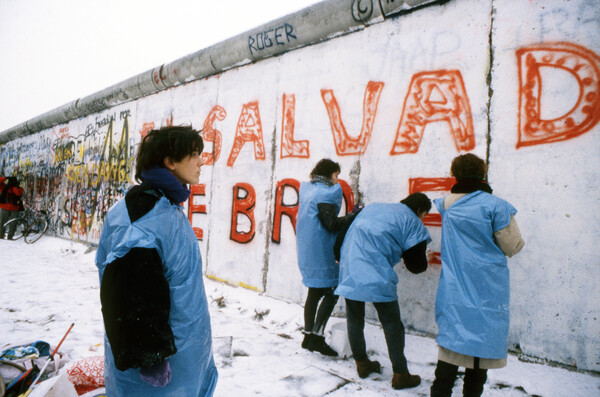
{"x":317,"y":225}
{"x":379,"y":237}
{"x":473,"y":297}
{"x":158,"y":336}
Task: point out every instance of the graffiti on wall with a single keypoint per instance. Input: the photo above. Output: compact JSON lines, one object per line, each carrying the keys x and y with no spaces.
{"x":79,"y":177}
{"x":435,"y":96}
{"x":289,"y":146}
{"x":97,"y":175}
{"x":244,"y":202}
{"x":211,"y":134}
{"x":432,"y":97}
{"x":194,"y":207}
{"x":249,"y":129}
{"x":279,"y":36}
{"x":581,"y":63}
{"x":430,"y":220}
{"x":345,"y":145}
{"x":281,"y":208}
{"x":85,"y":172}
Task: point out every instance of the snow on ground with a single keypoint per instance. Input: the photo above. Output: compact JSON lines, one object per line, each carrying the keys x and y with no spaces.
{"x":46,"y":286}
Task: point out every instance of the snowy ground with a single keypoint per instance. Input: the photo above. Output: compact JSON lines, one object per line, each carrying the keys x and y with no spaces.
{"x":49,"y":285}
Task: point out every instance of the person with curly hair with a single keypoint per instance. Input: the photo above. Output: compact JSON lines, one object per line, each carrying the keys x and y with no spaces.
{"x":472,"y":304}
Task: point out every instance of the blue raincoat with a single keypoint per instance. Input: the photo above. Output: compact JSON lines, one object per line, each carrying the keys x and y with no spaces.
{"x":166,"y":229}
{"x":314,"y":243}
{"x":473,"y":297}
{"x":373,"y":245}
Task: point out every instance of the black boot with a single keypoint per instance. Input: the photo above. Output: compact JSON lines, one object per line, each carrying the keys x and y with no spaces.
{"x":317,"y":343}
{"x":474,"y":381}
{"x":445,"y":376}
{"x":307,"y":342}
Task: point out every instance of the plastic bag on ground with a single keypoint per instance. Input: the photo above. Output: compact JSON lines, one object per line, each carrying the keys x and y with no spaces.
{"x":87,"y":374}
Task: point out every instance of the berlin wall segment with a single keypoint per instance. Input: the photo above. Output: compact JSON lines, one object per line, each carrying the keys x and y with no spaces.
{"x":431,"y":97}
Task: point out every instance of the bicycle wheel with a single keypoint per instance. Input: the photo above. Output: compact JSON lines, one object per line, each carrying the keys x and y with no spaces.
{"x":36,"y":230}
{"x":18,"y":225}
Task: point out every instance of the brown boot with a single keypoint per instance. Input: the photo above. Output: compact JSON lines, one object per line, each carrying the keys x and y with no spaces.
{"x":405,"y":381}
{"x":364,"y":368}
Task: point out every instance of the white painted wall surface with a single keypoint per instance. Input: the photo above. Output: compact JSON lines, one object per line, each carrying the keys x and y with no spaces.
{"x":553,"y":185}
{"x":433,"y":63}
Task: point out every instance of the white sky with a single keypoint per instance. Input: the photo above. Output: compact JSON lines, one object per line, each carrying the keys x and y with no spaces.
{"x":55,"y":51}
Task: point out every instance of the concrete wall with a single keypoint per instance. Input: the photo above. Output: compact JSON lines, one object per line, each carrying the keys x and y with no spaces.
{"x":515,"y":82}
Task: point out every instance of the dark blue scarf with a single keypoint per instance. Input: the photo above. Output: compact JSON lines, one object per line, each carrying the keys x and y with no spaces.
{"x":160,"y":178}
{"x":470,"y":185}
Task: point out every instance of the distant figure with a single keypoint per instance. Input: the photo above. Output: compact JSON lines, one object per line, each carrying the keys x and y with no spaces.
{"x":320,"y":201}
{"x":10,"y":204}
{"x":379,"y":237}
{"x":158,"y":334}
{"x":473,"y":297}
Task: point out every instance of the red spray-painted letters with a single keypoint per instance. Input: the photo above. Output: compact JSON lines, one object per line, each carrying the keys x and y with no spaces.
{"x":243,"y":204}
{"x":249,"y":129}
{"x":344,"y":145}
{"x":435,"y":96}
{"x":431,"y":185}
{"x":197,"y":190}
{"x":584,"y":65}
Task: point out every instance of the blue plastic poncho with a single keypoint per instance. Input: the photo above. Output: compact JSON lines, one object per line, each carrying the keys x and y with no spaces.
{"x":473,"y":297}
{"x":314,"y":243}
{"x":165,"y":228}
{"x":373,"y":245}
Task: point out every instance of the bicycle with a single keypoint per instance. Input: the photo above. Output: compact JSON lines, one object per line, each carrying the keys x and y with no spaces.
{"x":37,"y":229}
{"x":29,"y":225}
{"x":18,"y":225}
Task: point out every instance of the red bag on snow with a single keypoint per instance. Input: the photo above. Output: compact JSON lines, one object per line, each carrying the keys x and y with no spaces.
{"x":87,"y":374}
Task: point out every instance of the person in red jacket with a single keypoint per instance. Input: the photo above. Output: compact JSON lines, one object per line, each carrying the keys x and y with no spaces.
{"x":10,"y":203}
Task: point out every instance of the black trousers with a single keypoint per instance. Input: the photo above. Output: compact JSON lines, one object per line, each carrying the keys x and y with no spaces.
{"x":5,"y":216}
{"x":329,"y":299}
{"x":445,"y":375}
{"x":393,"y":329}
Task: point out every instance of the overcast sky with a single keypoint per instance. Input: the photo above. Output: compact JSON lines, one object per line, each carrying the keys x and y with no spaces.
{"x":55,"y":51}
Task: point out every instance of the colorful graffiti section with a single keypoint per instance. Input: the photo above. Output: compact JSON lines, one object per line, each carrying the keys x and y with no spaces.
{"x":76,"y":177}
